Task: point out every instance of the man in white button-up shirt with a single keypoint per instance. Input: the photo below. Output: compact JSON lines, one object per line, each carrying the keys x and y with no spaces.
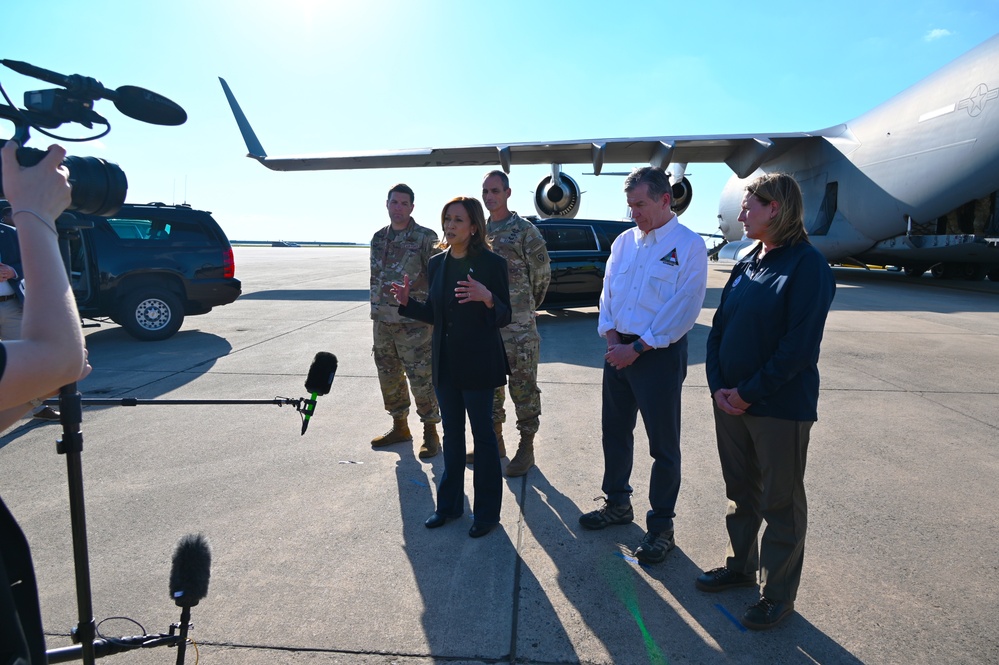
{"x":654,"y":286}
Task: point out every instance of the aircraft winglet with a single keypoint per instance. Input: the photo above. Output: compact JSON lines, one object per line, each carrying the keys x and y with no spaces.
{"x":252,"y":143}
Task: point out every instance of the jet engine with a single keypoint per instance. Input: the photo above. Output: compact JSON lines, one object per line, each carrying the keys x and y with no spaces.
{"x":557,"y":195}
{"x":683,"y":192}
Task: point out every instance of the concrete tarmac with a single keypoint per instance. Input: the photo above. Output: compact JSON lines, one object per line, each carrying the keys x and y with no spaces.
{"x":318,"y":545}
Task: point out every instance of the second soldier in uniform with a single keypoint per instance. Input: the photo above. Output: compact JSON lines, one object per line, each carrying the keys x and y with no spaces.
{"x":522,"y":245}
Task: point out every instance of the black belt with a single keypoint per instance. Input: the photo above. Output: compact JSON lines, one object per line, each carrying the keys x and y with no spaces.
{"x":6,"y":298}
{"x":628,"y":339}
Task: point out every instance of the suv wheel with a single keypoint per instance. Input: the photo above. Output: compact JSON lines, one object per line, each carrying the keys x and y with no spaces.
{"x":151,"y":314}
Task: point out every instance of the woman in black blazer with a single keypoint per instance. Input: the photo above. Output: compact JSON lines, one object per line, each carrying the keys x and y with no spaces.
{"x":468,"y":302}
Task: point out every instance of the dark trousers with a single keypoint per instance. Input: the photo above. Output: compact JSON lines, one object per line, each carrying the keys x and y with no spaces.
{"x":20,"y":618}
{"x":651,"y":385}
{"x":763,"y":464}
{"x":487,"y":475}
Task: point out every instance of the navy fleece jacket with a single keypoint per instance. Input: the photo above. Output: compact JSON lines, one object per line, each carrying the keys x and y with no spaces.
{"x":766,"y":332}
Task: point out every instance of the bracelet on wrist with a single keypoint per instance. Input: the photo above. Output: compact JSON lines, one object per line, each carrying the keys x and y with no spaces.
{"x":48,"y":224}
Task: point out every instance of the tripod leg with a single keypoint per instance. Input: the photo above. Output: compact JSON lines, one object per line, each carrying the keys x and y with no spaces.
{"x":71,"y":445}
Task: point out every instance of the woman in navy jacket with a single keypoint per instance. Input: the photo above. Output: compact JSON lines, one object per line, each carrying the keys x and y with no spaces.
{"x":468,"y":302}
{"x":762,"y":367}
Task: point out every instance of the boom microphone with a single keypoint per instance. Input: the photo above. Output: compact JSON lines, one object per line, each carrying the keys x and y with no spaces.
{"x":137,"y":103}
{"x":318,"y":382}
{"x":192,"y":563}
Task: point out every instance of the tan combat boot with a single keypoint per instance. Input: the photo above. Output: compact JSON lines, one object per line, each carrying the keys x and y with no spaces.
{"x":398,"y":434}
{"x":498,"y":427}
{"x":431,"y":442}
{"x":524,"y":459}
{"x":499,"y":439}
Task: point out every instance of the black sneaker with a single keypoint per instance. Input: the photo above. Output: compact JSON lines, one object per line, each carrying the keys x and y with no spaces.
{"x":654,"y":546}
{"x":610,"y":513}
{"x":720,"y":579}
{"x":46,"y":413}
{"x":767,"y":613}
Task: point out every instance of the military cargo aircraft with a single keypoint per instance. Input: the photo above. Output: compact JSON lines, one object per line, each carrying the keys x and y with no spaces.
{"x":911,"y":183}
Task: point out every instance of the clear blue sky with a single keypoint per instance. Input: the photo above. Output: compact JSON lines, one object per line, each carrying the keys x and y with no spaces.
{"x":315,"y":76}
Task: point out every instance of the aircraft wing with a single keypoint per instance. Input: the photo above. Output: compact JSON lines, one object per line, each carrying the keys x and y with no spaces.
{"x":742,"y":153}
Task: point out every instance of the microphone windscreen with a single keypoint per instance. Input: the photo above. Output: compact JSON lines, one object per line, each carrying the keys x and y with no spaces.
{"x":147,"y":106}
{"x":192,"y":567}
{"x":320,"y":378}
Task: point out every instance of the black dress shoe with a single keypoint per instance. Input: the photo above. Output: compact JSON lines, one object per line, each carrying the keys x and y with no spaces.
{"x":479,"y":529}
{"x":435,"y":521}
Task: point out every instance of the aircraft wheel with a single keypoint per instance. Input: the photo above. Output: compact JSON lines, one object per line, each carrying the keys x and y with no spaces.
{"x":994,"y":275}
{"x":914,"y":271}
{"x":939,"y":270}
{"x":973,"y":272}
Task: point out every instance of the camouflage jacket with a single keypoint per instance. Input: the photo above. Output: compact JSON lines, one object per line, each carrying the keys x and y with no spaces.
{"x":522,"y":245}
{"x":394,"y":254}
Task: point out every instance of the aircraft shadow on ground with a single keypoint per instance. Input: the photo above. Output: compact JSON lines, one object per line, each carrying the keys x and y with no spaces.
{"x":633,"y":622}
{"x":323,"y":295}
{"x":878,"y":290}
{"x":126,"y":367}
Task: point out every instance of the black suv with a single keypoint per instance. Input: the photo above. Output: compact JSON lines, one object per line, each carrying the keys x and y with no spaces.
{"x":149,"y":266}
{"x":579,"y":249}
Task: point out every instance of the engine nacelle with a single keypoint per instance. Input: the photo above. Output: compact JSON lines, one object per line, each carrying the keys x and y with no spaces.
{"x":683,"y":192}
{"x":557,"y":197}
{"x":730,"y":206}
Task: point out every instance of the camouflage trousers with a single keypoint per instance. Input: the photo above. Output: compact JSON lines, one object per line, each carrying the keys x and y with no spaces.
{"x":401,"y":350}
{"x":523,"y":350}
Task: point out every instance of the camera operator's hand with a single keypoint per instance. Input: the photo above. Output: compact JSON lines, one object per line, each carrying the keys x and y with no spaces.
{"x":50,"y":352}
{"x":43,"y":188}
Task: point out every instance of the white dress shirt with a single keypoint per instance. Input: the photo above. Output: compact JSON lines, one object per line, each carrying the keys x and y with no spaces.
{"x":6,"y":289}
{"x":654,"y":284}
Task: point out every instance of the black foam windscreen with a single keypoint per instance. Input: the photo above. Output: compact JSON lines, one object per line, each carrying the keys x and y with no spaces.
{"x":191,"y":570}
{"x":147,"y":106}
{"x":320,"y":378}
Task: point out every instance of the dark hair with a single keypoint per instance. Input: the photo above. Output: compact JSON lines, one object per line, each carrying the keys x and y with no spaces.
{"x":788,"y":226}
{"x":402,"y":189}
{"x":501,"y":175}
{"x":472,"y":206}
{"x":656,"y":179}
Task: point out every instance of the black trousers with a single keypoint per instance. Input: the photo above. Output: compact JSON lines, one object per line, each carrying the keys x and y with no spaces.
{"x":651,"y":385}
{"x":20,"y":617}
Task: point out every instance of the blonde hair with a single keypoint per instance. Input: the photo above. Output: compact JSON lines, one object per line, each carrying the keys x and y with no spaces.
{"x":788,"y":227}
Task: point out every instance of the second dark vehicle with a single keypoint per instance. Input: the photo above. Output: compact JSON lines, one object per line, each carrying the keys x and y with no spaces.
{"x":579,"y":249}
{"x":149,"y":266}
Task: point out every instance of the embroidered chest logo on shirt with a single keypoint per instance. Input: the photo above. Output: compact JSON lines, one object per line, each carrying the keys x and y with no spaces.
{"x":671,"y":258}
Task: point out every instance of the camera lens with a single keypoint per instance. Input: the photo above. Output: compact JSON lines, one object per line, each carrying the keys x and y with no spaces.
{"x":99,"y":186}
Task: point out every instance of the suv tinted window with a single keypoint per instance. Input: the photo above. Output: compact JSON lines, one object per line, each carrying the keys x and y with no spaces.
{"x":563,"y":238}
{"x":158,"y":230}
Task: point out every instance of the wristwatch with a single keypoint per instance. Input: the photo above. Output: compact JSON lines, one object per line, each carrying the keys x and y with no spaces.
{"x":638,"y":346}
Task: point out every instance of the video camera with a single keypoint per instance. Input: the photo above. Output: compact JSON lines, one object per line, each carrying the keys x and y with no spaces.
{"x":99,"y":186}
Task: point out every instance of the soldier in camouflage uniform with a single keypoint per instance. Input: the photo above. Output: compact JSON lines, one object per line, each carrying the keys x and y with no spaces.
{"x":521,"y":244}
{"x":402,"y":346}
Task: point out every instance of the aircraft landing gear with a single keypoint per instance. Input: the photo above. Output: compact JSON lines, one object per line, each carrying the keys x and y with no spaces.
{"x":972,"y":272}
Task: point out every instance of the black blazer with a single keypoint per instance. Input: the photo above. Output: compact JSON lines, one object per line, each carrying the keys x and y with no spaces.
{"x":10,"y":254}
{"x":476,"y":356}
